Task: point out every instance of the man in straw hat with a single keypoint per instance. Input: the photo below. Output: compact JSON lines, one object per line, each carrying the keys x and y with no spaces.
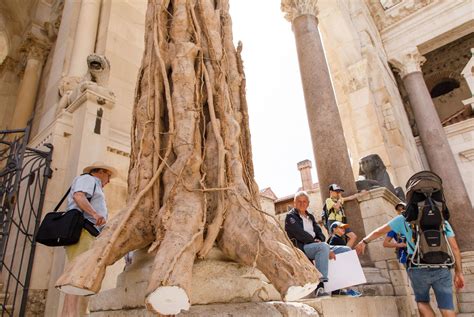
{"x":86,"y":195}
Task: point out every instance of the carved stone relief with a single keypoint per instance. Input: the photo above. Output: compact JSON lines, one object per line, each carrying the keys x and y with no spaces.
{"x":389,"y":12}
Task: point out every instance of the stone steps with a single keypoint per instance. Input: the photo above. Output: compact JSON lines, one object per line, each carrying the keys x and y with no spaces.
{"x":370,"y":306}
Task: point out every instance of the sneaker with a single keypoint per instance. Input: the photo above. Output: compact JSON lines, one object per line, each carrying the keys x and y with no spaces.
{"x":353,"y":293}
{"x":319,"y":292}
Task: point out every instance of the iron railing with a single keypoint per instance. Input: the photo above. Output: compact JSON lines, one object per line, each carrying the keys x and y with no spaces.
{"x":24,"y":174}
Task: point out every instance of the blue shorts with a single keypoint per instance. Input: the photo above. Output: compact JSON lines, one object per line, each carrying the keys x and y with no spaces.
{"x":440,"y":279}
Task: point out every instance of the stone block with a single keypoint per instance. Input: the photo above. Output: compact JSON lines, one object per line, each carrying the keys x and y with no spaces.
{"x":393,"y":264}
{"x":276,"y":309}
{"x":381,"y":264}
{"x":401,"y":290}
{"x":376,"y":289}
{"x":406,"y":307}
{"x":399,"y":277}
{"x":385,"y":273}
{"x":465,"y":297}
{"x":373,"y":276}
{"x":466,"y":307}
{"x":362,"y":306}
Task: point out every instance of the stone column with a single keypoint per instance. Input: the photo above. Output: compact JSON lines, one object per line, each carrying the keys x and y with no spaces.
{"x":329,"y":145}
{"x":26,"y":98}
{"x":85,"y":38}
{"x":305,"y":171}
{"x":436,"y":146}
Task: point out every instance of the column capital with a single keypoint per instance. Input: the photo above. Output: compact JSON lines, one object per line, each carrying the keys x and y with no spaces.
{"x":296,"y":8}
{"x":408,"y":61}
{"x":35,"y":48}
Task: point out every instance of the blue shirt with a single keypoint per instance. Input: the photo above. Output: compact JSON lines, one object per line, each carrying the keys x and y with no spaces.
{"x":399,"y":225}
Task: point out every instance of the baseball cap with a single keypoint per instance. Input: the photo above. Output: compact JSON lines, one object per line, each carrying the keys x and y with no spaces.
{"x":335,"y":188}
{"x":400,"y":204}
{"x":338,"y":224}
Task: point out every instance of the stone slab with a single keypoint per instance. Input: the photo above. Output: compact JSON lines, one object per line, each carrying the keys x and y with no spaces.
{"x":363,"y":306}
{"x":274,"y":309}
{"x":328,"y":307}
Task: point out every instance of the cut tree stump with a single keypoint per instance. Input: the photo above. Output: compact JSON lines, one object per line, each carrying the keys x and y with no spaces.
{"x":191,"y":182}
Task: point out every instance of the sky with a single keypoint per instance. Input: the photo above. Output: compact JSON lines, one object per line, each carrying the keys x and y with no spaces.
{"x":278,"y":121}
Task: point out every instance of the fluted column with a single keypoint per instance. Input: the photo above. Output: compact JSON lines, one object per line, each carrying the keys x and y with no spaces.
{"x":85,"y":38}
{"x":436,"y":146}
{"x":26,"y":98}
{"x":327,"y":135}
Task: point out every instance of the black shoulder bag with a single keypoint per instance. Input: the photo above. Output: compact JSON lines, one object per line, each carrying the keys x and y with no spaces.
{"x":61,"y":228}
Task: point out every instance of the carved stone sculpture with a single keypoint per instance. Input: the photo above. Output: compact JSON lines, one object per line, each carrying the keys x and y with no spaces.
{"x":96,"y":79}
{"x":373,"y":169}
{"x":191,"y":182}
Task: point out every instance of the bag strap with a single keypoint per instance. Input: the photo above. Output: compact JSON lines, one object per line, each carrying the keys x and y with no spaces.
{"x":62,"y":199}
{"x":69,"y":190}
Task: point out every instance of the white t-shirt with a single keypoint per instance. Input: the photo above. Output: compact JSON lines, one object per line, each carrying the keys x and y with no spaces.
{"x":308,"y":226}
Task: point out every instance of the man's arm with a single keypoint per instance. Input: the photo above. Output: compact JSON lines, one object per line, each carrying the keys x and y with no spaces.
{"x":458,"y":276}
{"x":355,"y":196}
{"x":377,"y":233}
{"x":84,"y":204}
{"x":295,"y":231}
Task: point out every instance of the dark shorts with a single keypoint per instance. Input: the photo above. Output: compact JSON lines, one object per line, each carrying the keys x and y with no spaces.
{"x":422,"y":279}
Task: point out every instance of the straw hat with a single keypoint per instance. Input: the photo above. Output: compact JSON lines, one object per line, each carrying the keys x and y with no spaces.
{"x":102,"y":165}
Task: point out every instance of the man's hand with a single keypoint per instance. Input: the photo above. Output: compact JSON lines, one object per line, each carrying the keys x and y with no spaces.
{"x":458,"y":280}
{"x":99,"y":220}
{"x":360,"y":247}
{"x":317,"y":240}
{"x":332,"y":255}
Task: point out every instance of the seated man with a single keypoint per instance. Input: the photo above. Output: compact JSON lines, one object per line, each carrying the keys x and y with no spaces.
{"x":305,"y":234}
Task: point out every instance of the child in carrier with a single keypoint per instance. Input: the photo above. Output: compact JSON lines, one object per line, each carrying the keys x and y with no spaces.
{"x":397,"y":240}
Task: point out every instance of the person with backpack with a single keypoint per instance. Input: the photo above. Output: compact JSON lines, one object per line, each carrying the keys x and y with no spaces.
{"x":333,"y":210}
{"x":424,"y":277}
{"x":86,"y":195}
{"x":396,"y":240}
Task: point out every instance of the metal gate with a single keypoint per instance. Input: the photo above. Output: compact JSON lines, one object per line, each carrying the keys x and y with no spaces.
{"x":24,"y":174}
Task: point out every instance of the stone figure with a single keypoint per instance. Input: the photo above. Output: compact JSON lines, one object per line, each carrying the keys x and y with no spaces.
{"x":96,"y":79}
{"x":373,"y":169}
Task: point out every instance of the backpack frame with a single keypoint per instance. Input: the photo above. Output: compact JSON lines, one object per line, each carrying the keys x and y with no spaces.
{"x":426,"y":213}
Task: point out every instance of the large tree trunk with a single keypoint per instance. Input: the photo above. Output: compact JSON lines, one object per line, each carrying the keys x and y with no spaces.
{"x":191,"y":182}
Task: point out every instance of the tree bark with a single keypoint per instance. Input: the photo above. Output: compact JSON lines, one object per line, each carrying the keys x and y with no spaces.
{"x":191,"y":181}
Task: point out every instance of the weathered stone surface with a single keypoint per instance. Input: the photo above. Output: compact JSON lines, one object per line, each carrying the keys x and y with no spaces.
{"x":466,"y":307}
{"x":274,"y":309}
{"x":373,"y":276}
{"x":36,"y":302}
{"x":362,"y":306}
{"x":216,"y":280}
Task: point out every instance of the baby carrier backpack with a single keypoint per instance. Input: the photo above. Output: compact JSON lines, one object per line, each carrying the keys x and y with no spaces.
{"x":426,"y":213}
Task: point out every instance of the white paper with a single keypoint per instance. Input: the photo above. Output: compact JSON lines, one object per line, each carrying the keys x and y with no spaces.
{"x":344,"y":272}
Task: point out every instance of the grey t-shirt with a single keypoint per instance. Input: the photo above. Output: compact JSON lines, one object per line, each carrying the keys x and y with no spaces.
{"x":86,"y":183}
